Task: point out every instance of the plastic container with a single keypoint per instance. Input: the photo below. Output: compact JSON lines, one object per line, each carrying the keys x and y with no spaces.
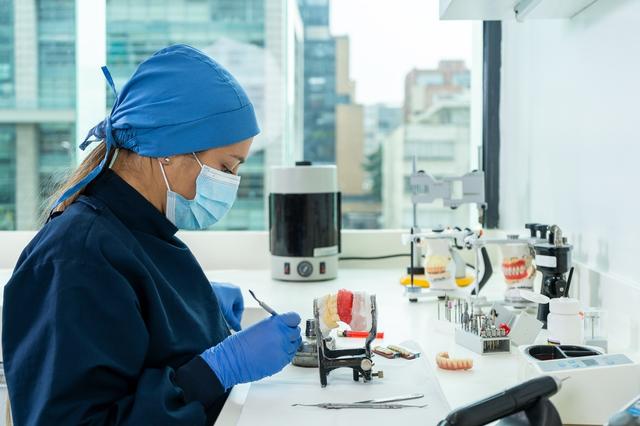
{"x":565,"y":321}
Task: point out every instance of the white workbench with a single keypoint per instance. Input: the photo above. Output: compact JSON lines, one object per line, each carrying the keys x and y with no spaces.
{"x":397,"y":317}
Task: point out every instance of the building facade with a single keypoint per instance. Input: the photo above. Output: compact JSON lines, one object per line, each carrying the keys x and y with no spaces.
{"x":319,"y":82}
{"x":380,"y":121}
{"x":37,"y":101}
{"x":436,"y":133}
{"x":424,"y":87}
{"x":360,"y":209}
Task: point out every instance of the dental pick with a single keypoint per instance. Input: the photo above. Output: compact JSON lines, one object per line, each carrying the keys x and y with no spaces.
{"x":263,"y":305}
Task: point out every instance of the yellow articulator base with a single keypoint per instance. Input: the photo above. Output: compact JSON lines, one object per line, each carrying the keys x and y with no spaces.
{"x":421,"y":281}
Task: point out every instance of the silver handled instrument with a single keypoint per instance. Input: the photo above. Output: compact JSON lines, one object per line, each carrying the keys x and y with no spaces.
{"x":262,"y":304}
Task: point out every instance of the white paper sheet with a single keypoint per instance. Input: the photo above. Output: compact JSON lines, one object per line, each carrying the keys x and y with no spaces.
{"x":269,"y":401}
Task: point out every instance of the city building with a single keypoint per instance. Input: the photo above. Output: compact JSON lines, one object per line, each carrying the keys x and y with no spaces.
{"x":360,"y":208}
{"x":349,"y":126}
{"x":319,"y":82}
{"x":436,"y":132}
{"x":423,"y":87}
{"x":37,"y":102}
{"x":380,"y":120}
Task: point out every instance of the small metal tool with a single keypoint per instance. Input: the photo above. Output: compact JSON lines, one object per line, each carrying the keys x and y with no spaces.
{"x":263,"y":305}
{"x":339,"y":405}
{"x":391,"y":399}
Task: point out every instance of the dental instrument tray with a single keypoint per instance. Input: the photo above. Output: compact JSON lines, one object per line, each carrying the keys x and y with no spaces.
{"x":358,"y":359}
{"x":491,"y":342}
{"x":481,"y":333}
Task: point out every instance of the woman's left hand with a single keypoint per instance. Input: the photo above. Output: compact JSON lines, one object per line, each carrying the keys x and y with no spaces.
{"x":231,"y":303}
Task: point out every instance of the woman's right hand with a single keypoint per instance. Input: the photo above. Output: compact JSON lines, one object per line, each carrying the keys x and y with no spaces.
{"x":259,"y":351}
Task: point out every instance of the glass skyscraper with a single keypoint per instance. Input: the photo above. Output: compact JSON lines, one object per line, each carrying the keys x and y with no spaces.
{"x":7,"y":84}
{"x":7,"y":130}
{"x":254,"y":40}
{"x":37,"y":98}
{"x":319,"y":82}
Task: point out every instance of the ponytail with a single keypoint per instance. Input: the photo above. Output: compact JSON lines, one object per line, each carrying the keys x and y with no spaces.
{"x":91,"y":161}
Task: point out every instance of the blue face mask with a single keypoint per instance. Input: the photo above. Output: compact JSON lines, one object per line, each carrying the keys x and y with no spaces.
{"x":215,"y":193}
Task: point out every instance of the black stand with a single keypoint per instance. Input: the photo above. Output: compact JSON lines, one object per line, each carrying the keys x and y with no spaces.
{"x":358,"y":359}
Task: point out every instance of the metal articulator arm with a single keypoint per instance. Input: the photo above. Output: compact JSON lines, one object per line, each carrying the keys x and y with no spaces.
{"x":358,"y":359}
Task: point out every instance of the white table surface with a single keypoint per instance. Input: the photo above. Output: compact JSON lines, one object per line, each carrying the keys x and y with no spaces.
{"x":397,"y":317}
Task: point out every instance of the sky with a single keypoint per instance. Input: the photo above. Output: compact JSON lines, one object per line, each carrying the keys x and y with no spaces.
{"x":390,"y":37}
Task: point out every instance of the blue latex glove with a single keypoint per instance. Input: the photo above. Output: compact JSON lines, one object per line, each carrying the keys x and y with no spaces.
{"x":256,"y":352}
{"x":231,"y":303}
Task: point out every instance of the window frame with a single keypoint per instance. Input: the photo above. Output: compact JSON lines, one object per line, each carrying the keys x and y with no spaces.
{"x":491,"y":66}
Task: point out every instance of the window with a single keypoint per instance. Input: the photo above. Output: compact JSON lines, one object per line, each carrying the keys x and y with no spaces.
{"x":56,"y":53}
{"x":7,"y":177}
{"x":413,"y":80}
{"x":56,"y":152}
{"x":37,"y":84}
{"x":326,"y":88}
{"x":7,"y":83}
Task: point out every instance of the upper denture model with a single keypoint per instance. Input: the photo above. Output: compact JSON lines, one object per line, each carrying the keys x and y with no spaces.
{"x":352,"y":308}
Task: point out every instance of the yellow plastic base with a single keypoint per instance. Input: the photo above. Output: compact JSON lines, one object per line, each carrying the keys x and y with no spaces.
{"x":422,"y":282}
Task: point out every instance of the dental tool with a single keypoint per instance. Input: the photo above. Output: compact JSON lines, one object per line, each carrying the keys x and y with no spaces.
{"x":478,"y":331}
{"x":392,"y":399}
{"x":263,"y":305}
{"x":340,"y":405}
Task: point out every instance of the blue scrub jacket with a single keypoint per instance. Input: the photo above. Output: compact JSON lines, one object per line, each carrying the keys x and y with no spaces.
{"x":105,"y":316}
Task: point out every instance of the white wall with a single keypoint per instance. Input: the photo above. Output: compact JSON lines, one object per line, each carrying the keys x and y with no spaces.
{"x":570,"y":117}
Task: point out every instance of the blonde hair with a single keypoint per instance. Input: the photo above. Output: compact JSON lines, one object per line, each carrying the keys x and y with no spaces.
{"x":91,"y":161}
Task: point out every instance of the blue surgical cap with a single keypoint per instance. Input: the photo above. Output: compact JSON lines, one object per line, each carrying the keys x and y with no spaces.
{"x":178,"y":101}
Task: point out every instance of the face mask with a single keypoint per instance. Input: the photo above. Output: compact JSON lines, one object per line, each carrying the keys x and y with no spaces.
{"x":215,"y":193}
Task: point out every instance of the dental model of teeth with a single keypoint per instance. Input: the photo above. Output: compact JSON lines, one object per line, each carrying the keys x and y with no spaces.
{"x":443,"y":361}
{"x":436,"y":267}
{"x":516,"y":269}
{"x":352,"y":308}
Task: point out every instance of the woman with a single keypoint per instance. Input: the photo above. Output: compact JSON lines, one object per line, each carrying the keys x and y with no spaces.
{"x":108,"y":318}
